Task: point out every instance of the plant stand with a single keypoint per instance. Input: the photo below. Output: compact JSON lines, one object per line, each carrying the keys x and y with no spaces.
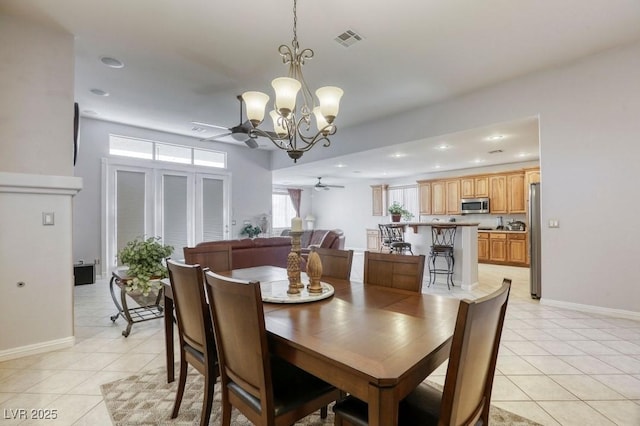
{"x":148,"y":310}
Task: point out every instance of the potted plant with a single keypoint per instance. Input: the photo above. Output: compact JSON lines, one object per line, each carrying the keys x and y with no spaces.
{"x":398,"y":211}
{"x":250,"y":230}
{"x":145,"y":261}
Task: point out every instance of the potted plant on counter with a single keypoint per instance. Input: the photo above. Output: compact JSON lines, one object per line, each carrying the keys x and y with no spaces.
{"x":145,"y":259}
{"x":397,"y":211}
{"x":250,"y":230}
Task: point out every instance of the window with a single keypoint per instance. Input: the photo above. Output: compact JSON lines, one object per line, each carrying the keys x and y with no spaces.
{"x":406,"y":196}
{"x":282,"y":209}
{"x":151,"y":150}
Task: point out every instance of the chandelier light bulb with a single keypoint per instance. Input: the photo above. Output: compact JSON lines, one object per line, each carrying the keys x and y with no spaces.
{"x":286,"y":92}
{"x":329,"y":97}
{"x":278,"y":122}
{"x":255,"y":102}
{"x":321,"y":122}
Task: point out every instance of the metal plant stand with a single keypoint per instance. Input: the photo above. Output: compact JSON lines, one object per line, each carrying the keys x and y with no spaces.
{"x":144,"y":312}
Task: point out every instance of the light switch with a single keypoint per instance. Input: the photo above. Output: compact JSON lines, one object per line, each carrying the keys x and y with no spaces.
{"x":553,"y":223}
{"x":48,"y":218}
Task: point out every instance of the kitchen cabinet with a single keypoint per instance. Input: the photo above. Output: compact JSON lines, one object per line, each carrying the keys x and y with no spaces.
{"x":483,"y":246}
{"x":515,"y":193}
{"x":503,"y":248}
{"x":530,"y":176}
{"x":474,"y":187}
{"x":498,"y":194}
{"x":453,"y":196}
{"x":373,"y":240}
{"x":497,"y":247}
{"x":378,"y":196}
{"x":438,"y":197}
{"x":424,"y":197}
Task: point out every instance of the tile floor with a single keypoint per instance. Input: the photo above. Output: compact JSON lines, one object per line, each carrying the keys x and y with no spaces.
{"x":556,"y":366}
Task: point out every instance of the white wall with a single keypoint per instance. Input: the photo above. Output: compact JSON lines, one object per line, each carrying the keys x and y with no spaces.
{"x":36,"y":140}
{"x":589,"y":125}
{"x":250,"y":180}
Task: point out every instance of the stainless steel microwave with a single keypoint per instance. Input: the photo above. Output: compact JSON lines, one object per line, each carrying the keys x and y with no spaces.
{"x":474,"y":205}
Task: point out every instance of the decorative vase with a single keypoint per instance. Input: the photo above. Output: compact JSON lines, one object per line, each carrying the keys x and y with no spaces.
{"x":314,"y":272}
{"x":395,"y":217}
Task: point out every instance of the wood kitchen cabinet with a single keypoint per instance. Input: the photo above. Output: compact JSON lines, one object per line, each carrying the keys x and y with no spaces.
{"x":483,"y":247}
{"x":474,"y":187}
{"x":373,"y":240}
{"x":424,"y":197}
{"x":498,"y":194}
{"x":503,"y":248}
{"x":438,"y":197}
{"x":453,"y":196}
{"x":377,"y":200}
{"x":515,"y":193}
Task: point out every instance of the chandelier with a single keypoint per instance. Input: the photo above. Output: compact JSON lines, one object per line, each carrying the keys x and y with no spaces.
{"x":292,"y":126}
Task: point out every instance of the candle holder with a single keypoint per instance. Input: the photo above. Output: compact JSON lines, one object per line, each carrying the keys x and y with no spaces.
{"x":293,"y":264}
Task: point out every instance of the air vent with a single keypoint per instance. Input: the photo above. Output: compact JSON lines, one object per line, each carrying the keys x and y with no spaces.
{"x":348,"y":38}
{"x":495,"y":151}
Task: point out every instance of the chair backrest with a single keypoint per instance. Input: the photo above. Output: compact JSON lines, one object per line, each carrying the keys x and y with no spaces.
{"x":392,"y":270}
{"x":390,"y":233}
{"x":474,"y":350}
{"x":192,"y":312}
{"x":335,"y":263}
{"x":216,"y":257}
{"x":238,"y":319}
{"x":443,"y":235}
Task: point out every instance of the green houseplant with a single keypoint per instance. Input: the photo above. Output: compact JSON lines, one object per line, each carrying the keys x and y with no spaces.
{"x":396,"y":210}
{"x":145,"y":261}
{"x":250,"y":230}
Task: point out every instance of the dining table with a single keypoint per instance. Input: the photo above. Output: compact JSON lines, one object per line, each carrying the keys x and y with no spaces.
{"x":373,"y":342}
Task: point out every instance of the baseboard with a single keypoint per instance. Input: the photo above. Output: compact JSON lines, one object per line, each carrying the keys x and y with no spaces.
{"x":37,"y":348}
{"x":469,"y":287}
{"x":620,"y":313}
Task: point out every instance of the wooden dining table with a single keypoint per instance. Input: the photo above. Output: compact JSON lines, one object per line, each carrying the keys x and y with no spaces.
{"x":373,"y":342}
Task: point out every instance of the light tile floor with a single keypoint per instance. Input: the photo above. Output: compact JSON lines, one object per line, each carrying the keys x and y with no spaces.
{"x":556,"y":366}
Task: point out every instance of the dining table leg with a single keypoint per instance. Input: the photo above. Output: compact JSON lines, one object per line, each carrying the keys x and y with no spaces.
{"x":383,"y":406}
{"x":168,"y":336}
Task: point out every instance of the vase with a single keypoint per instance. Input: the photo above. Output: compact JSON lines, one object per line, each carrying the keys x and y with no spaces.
{"x":395,"y":217}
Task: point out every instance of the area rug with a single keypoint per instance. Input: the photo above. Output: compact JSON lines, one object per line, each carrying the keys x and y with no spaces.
{"x":147,"y":399}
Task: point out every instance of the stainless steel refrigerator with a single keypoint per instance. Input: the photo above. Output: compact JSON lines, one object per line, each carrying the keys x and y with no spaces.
{"x":534,"y":241}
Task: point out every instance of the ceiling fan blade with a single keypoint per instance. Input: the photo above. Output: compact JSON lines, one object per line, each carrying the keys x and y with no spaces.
{"x":214,"y":137}
{"x":333,"y":186}
{"x":214,"y":126}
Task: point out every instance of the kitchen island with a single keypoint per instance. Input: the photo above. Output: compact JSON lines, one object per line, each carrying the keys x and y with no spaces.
{"x":465,"y":252}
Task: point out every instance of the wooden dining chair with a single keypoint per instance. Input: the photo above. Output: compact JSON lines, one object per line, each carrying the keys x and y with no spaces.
{"x":391,"y":270}
{"x":335,"y":263}
{"x":265,"y":388}
{"x":216,"y":257}
{"x":195,"y":329}
{"x":466,"y":397}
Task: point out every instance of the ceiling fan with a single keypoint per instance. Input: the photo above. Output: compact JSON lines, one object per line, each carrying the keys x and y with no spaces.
{"x":239,"y":133}
{"x":320,"y":186}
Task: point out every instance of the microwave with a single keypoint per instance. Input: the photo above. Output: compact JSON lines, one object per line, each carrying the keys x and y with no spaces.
{"x":474,"y":205}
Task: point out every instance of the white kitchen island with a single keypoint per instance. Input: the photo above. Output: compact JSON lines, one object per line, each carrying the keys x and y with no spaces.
{"x":465,"y":251}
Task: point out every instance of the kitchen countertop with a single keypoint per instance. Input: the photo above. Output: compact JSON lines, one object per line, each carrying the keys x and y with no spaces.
{"x":502,"y":230}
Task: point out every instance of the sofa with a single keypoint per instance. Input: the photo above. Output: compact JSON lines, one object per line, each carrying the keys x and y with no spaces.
{"x":248,"y":252}
{"x":324,"y":238}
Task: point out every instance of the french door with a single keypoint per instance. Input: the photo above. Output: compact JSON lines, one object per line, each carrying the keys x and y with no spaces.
{"x":181,"y":206}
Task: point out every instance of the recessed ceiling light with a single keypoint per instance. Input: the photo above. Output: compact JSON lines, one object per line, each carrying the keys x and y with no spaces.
{"x":99,"y":92}
{"x":89,"y":112}
{"x":443,"y":146}
{"x":437,"y":166}
{"x":398,"y":155}
{"x":478,"y":160}
{"x":523,"y":154}
{"x":496,"y":137}
{"x":340,"y":165}
{"x":111,"y":62}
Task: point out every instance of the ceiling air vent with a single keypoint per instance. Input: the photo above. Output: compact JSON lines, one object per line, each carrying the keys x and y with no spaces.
{"x":348,"y":38}
{"x":495,"y":151}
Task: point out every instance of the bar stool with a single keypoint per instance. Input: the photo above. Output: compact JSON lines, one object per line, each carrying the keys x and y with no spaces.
{"x":393,"y":237}
{"x":442,"y":240}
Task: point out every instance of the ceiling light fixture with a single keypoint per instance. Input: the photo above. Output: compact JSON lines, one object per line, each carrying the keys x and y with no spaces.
{"x":495,"y":137}
{"x":294,"y":134}
{"x":443,"y":146}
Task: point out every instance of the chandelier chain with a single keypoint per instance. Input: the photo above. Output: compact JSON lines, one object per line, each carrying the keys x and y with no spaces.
{"x":295,"y":26}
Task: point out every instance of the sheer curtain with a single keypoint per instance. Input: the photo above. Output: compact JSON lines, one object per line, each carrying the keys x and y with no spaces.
{"x":295,"y":195}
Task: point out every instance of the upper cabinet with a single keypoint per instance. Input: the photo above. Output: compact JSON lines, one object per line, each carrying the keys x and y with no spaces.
{"x":378,"y":197}
{"x":438,"y":197}
{"x":453,"y":196}
{"x":424,"y":195}
{"x":474,"y":187}
{"x":498,"y":193}
{"x":515,"y":193}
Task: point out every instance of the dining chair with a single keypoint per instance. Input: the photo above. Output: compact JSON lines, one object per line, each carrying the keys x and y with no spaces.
{"x":390,"y":270}
{"x":335,"y":263}
{"x":466,"y":397}
{"x":264,"y":388}
{"x":216,"y":257}
{"x":195,"y":329}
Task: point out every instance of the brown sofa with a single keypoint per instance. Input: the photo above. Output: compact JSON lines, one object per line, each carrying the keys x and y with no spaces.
{"x":247,"y":253}
{"x":324,"y":238}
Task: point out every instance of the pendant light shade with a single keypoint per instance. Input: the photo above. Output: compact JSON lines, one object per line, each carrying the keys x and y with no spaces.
{"x":286,"y":92}
{"x":255,"y":102}
{"x":329,"y":97}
